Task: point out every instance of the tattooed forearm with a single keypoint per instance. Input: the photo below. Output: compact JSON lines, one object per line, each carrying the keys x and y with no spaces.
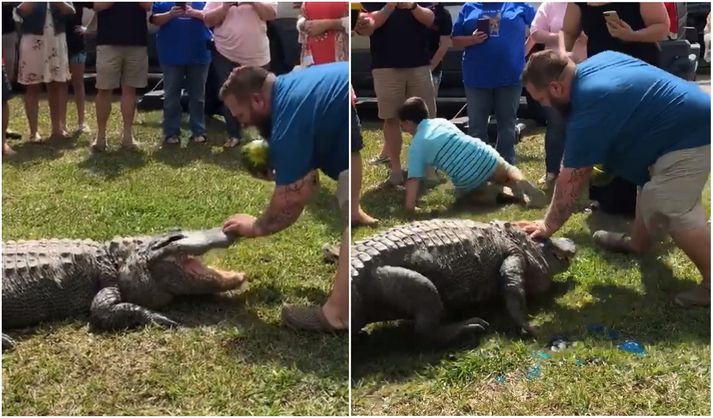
{"x":286,"y":205}
{"x":568,"y":188}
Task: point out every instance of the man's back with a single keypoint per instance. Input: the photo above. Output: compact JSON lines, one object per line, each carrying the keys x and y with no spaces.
{"x":467,"y":161}
{"x":310,"y":122}
{"x":626,"y":114}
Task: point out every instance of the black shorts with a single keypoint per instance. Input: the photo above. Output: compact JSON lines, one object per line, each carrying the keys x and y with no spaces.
{"x":6,"y":87}
{"x":357,"y":140}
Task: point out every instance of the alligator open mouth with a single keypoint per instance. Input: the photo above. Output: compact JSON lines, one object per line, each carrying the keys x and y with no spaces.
{"x":194,"y":266}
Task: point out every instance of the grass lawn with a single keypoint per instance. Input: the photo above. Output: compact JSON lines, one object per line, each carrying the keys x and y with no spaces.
{"x":498,"y":375}
{"x":234,"y":357}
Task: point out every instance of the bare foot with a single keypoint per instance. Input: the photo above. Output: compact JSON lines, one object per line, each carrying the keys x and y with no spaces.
{"x":35,"y":138}
{"x":363,"y":219}
{"x":7,"y":151}
{"x":99,"y":145}
{"x":58,"y":136}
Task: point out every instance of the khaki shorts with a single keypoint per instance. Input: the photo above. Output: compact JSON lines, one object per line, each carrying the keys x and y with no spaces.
{"x":394,"y":85}
{"x":121,"y":66}
{"x":343,"y":193}
{"x":672,"y":198}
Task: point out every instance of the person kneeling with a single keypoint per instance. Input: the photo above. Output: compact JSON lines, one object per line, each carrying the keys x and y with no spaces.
{"x":478,"y":172}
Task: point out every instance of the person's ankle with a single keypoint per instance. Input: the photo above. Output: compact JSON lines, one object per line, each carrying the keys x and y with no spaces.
{"x":334,"y":315}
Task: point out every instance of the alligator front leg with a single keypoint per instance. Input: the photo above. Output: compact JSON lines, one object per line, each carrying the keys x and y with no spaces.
{"x":7,"y":342}
{"x":108,"y":312}
{"x":512,"y":276}
{"x":412,"y":293}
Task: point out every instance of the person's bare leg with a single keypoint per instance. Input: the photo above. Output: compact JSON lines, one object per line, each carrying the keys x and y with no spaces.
{"x":128,"y":109}
{"x":57,"y":98}
{"x":6,"y":150}
{"x":392,"y":142}
{"x":336,"y":309}
{"x":522,"y":189}
{"x":32,"y":103}
{"x":696,"y":244}
{"x":102,"y":103}
{"x":358,"y":216}
{"x":79,"y":94}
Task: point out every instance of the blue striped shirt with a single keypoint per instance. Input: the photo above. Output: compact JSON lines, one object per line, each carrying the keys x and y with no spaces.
{"x":467,"y":161}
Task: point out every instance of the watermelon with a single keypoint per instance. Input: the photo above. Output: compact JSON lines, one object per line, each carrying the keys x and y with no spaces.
{"x":255,"y":156}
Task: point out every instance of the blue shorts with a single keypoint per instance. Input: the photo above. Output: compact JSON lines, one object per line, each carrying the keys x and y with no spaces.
{"x":78,"y":58}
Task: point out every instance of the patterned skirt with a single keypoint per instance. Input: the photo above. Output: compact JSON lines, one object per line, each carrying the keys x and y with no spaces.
{"x":43,"y":58}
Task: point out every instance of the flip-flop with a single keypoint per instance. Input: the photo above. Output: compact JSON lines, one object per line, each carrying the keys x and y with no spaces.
{"x":695,"y":296}
{"x":199,"y":139}
{"x":231,"y":143}
{"x":612,"y":241}
{"x":307,"y":318}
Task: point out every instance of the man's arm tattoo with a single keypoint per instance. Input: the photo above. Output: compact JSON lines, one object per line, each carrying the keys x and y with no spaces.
{"x":286,"y":205}
{"x":567,"y":190}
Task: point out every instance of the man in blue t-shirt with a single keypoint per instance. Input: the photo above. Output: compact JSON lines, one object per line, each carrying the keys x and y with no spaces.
{"x":182,"y":43}
{"x":644,"y":125}
{"x":304,"y":116}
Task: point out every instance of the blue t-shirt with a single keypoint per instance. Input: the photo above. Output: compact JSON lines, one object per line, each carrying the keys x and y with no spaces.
{"x":626,"y":114}
{"x":310,"y":122}
{"x":467,"y":161}
{"x":183,"y":40}
{"x":499,"y":61}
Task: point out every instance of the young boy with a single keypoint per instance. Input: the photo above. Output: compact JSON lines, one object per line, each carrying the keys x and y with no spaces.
{"x":469,"y":162}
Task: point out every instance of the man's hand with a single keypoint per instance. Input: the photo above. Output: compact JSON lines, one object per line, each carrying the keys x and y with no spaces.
{"x":241,"y":224}
{"x":620,"y":30}
{"x":176,"y":11}
{"x":80,"y":30}
{"x":537,"y":230}
{"x":479,"y":37}
{"x":364,"y":25}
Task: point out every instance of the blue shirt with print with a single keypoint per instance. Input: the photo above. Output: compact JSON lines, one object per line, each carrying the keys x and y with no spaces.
{"x":499,"y":61}
{"x":183,"y":40}
{"x":626,"y":114}
{"x":310,"y":122}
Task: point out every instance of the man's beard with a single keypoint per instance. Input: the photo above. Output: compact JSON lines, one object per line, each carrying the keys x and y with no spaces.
{"x":263,"y":125}
{"x":564,"y":109}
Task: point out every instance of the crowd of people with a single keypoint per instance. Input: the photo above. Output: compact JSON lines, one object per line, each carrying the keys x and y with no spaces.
{"x":608,"y":109}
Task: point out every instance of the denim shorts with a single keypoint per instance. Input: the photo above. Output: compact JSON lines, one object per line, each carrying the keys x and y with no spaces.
{"x":78,"y":58}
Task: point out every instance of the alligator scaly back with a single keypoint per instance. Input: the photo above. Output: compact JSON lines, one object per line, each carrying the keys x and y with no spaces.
{"x":50,"y":279}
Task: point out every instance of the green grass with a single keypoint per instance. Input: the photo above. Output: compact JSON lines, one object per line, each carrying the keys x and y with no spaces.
{"x":234,"y":358}
{"x":393,"y":377}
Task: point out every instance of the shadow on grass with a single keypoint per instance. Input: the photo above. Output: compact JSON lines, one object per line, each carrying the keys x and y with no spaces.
{"x":113,"y":163}
{"x":398,"y":352}
{"x":27,"y":152}
{"x":257,"y":341}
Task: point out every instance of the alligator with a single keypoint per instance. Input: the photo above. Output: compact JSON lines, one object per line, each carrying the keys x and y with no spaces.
{"x":118,"y":282}
{"x":428,"y":272}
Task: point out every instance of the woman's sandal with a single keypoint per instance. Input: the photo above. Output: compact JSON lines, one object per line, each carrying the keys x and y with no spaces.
{"x":307,"y":318}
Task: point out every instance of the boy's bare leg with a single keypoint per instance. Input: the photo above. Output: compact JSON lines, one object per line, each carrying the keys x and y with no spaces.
{"x":522,"y":189}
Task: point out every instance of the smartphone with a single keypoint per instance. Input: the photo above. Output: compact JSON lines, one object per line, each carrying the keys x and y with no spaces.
{"x":483,"y":25}
{"x":354,"y":13}
{"x":611,"y":16}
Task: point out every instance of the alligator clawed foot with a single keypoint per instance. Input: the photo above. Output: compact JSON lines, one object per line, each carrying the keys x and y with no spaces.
{"x":164,"y":322}
{"x":7,"y":343}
